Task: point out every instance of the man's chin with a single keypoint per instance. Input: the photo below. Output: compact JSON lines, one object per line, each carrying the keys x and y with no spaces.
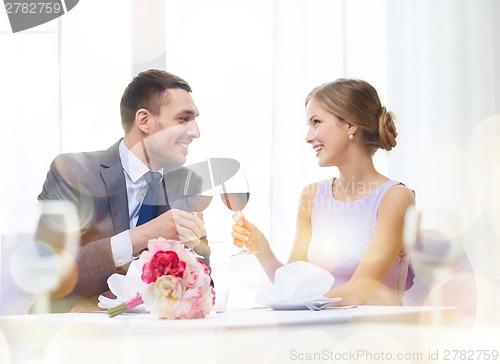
{"x":174,"y":162}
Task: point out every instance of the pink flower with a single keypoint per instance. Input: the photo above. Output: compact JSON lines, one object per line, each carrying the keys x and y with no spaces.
{"x":163,"y":263}
{"x":162,"y":244}
{"x":196,"y":275}
{"x":195,"y":304}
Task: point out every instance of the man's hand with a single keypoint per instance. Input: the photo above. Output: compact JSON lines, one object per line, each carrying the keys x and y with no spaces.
{"x":173,"y":224}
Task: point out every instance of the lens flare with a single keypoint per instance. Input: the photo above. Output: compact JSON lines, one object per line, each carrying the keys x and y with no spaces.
{"x":35,"y":267}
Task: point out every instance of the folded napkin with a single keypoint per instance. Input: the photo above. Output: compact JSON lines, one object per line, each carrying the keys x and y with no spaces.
{"x":124,"y":287}
{"x":298,"y":282}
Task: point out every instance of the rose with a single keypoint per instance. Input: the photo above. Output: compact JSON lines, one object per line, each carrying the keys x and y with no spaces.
{"x":196,"y":275}
{"x":162,"y":244}
{"x":195,"y":303}
{"x":163,"y":263}
{"x":163,"y":297}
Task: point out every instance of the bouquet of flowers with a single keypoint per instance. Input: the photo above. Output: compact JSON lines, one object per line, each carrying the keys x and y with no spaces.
{"x":178,"y":284}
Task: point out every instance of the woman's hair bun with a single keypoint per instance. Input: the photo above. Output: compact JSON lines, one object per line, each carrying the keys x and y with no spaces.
{"x":387,"y":130}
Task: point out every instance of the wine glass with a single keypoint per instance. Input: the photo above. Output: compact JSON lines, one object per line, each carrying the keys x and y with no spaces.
{"x":198,"y":191}
{"x":197,"y":199}
{"x":235,"y":194}
{"x":43,"y":261}
{"x":433,"y":238}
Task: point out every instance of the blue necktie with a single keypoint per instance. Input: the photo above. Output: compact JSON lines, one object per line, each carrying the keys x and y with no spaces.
{"x":153,"y":204}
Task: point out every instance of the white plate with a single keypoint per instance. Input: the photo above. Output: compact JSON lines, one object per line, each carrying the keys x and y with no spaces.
{"x":299,"y":305}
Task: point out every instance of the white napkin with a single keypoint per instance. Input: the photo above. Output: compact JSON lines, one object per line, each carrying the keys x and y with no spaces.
{"x":298,"y":282}
{"x":124,"y":287}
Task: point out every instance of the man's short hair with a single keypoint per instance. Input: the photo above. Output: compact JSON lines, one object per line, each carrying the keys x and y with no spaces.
{"x":147,"y":91}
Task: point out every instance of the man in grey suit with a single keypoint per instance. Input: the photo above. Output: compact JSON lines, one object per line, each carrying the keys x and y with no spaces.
{"x":159,"y":119}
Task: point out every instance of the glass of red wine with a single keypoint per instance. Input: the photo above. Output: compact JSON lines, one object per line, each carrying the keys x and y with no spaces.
{"x":197,"y":199}
{"x":235,"y":194}
{"x":197,"y":195}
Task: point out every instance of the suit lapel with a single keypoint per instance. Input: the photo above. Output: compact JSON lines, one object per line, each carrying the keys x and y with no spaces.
{"x":114,"y":180}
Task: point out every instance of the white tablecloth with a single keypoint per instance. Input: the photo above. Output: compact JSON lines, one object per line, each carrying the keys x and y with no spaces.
{"x":238,"y":335}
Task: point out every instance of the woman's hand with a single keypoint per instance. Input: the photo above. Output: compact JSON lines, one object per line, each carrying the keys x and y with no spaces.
{"x":246,"y":233}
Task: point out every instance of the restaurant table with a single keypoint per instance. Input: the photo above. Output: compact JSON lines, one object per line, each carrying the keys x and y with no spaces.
{"x":403,"y":334}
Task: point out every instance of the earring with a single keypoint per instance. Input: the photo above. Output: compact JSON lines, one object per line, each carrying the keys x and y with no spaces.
{"x":351,"y":136}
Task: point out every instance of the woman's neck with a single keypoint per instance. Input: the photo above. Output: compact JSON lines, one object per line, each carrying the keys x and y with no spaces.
{"x":356,"y":181}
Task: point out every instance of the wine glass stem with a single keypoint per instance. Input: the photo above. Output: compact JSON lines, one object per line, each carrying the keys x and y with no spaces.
{"x":191,"y":248}
{"x":42,"y":303}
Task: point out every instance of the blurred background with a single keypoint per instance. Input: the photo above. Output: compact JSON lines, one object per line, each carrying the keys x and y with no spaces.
{"x":435,"y":64}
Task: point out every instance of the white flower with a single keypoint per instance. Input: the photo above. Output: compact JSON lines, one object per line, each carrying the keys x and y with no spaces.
{"x":164,"y":296}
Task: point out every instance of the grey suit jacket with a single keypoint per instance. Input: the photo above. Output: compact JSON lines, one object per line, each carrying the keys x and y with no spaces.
{"x":94,"y":182}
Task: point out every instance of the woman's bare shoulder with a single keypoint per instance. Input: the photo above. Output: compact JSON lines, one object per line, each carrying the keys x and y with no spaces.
{"x":310,"y":189}
{"x":307,"y":198}
{"x":398,"y":195}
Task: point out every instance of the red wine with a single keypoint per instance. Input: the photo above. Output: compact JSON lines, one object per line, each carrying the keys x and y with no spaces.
{"x":198,"y":203}
{"x":235,"y":201}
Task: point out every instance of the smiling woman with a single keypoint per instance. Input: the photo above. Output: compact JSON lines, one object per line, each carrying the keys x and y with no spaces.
{"x":352,"y":225}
